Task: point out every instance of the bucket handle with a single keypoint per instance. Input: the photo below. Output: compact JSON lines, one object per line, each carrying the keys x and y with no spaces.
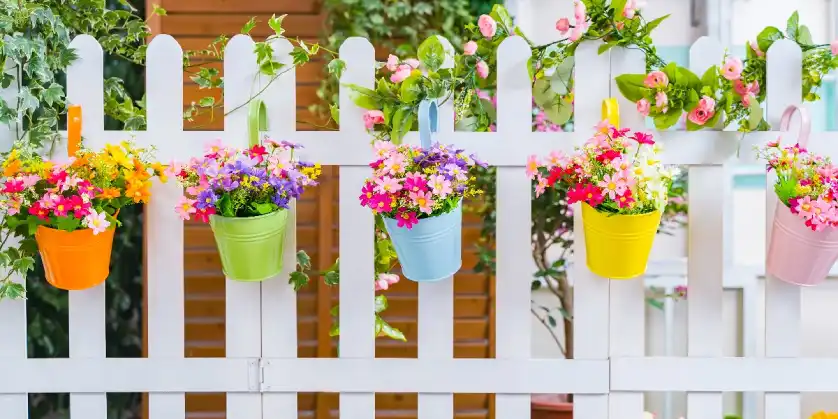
{"x":428,"y":121}
{"x":805,"y":123}
{"x":73,"y":130}
{"x":611,"y":111}
{"x":257,"y":120}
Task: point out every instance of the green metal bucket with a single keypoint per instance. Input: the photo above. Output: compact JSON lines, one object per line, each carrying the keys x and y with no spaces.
{"x":251,"y":247}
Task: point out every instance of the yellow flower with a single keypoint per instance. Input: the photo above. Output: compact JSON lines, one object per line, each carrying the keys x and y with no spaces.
{"x":118,"y":156}
{"x":109,"y":193}
{"x":138,"y":191}
{"x":159,"y":171}
{"x":11,"y":167}
{"x":824,"y":415}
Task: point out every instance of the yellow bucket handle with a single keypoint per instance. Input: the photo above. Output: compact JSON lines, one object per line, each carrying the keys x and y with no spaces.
{"x":611,"y":111}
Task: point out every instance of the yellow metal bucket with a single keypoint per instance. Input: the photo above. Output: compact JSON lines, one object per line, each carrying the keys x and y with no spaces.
{"x":618,"y":246}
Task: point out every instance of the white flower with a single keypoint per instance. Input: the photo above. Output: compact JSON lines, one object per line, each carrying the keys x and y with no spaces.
{"x":97,"y":222}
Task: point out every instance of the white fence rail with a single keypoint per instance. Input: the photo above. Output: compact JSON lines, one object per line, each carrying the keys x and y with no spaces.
{"x":261,"y":372}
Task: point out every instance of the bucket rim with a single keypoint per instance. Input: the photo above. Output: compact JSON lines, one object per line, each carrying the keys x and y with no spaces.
{"x":459,"y":205}
{"x":255,"y":217}
{"x":645,"y":214}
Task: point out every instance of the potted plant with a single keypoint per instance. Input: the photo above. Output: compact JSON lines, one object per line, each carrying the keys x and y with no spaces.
{"x":804,"y":237}
{"x":418,"y":192}
{"x":245,"y":194}
{"x":68,"y":211}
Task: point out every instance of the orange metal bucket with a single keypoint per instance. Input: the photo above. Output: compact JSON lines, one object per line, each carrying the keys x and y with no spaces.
{"x":75,"y":260}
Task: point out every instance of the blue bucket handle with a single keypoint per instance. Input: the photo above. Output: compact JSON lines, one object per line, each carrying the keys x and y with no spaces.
{"x":428,"y":121}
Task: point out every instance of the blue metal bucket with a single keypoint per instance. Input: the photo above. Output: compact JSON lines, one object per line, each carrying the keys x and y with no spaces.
{"x":432,"y":249}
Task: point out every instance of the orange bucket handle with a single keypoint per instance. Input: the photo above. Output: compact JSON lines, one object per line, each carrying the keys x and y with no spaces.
{"x":73,"y":130}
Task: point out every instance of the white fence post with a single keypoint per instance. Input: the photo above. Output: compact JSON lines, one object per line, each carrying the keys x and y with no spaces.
{"x":705,"y":263}
{"x":13,"y":312}
{"x":590,"y":292}
{"x":782,"y":300}
{"x":85,"y":87}
{"x":279,"y":301}
{"x":163,"y":228}
{"x":243,"y":303}
{"x":627,"y":298}
{"x":357,"y":340}
{"x":514,"y":240}
{"x":436,"y":299}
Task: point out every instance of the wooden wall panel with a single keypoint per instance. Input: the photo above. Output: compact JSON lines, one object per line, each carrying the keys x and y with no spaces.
{"x":195,"y":24}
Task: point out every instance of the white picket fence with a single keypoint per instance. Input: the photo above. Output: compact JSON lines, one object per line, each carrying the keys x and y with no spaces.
{"x":262,"y":374}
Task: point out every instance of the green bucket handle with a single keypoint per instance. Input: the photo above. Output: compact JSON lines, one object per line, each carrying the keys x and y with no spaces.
{"x":257,"y":120}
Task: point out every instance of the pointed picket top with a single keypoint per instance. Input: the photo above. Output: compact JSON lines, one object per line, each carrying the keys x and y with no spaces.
{"x":164,"y":89}
{"x":359,"y":56}
{"x":591,"y":86}
{"x":627,"y":61}
{"x":514,"y":94}
{"x":280,"y":96}
{"x":240,"y":84}
{"x":85,"y":87}
{"x":784,"y":79}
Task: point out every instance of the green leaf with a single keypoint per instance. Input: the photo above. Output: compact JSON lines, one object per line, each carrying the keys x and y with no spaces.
{"x":402,"y":122}
{"x":380,"y":303}
{"x":431,"y":53}
{"x":411,"y":89}
{"x":552,"y":321}
{"x":542,"y":93}
{"x":667,"y":120}
{"x":793,"y":25}
{"x":206,"y":102}
{"x":335,"y":311}
{"x":336,"y":67}
{"x":535,"y":285}
{"x":68,"y":223}
{"x":334,"y":330}
{"x":688,"y":78}
{"x":276,"y":24}
{"x":671,"y":71}
{"x":754,"y":114}
{"x":249,"y":26}
{"x":631,"y":86}
{"x":767,"y":37}
{"x":11,"y":290}
{"x":225,"y":204}
{"x":489,"y":108}
{"x":710,"y":77}
{"x":303,"y":260}
{"x":655,"y":303}
{"x":384,"y":329}
{"x":605,"y":47}
{"x":298,"y":280}
{"x":501,"y":15}
{"x":157,"y":10}
{"x":692,"y":99}
{"x":332,"y":278}
{"x":804,"y":36}
{"x":655,"y":23}
{"x":53,"y":94}
{"x":618,"y":6}
{"x":334,"y":112}
{"x":27,"y":102}
{"x":559,"y":112}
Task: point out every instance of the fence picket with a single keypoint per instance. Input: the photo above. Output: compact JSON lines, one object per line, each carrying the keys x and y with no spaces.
{"x":627,"y":310}
{"x":782,"y":300}
{"x":436,"y":299}
{"x":590,"y":292}
{"x":279,"y":301}
{"x":85,"y":87}
{"x":13,"y":312}
{"x":163,"y":228}
{"x":356,"y":231}
{"x":243,"y":302}
{"x":707,"y":184}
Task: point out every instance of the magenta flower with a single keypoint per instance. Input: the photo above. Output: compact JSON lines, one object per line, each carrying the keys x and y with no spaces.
{"x":382,"y":203}
{"x":407,"y":219}
{"x":367,"y":194}
{"x":415,"y":182}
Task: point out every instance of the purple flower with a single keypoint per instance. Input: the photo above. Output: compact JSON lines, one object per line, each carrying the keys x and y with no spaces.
{"x":206,"y":199}
{"x":280,"y":200}
{"x":228,"y":183}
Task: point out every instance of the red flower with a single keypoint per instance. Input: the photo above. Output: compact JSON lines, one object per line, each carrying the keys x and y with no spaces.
{"x":593,"y":196}
{"x":576,"y":193}
{"x":619,"y":133}
{"x":78,"y":206}
{"x":203,"y":214}
{"x":556,"y":174}
{"x":608,"y":155}
{"x":643,"y":138}
{"x":57,"y":177}
{"x":256,"y":152}
{"x":13,"y":185}
{"x":626,"y":200}
{"x":37,"y":210}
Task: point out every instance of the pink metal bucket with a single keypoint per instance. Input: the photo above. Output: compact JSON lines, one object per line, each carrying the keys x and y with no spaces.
{"x":797,"y":254}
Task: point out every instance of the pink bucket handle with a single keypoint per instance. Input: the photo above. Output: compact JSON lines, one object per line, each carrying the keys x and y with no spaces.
{"x":805,"y":123}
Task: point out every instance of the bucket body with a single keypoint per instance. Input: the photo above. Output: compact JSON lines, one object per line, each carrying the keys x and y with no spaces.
{"x":797,"y":254}
{"x":431,"y":250}
{"x":75,"y":260}
{"x":618,"y":246}
{"x":250,"y":247}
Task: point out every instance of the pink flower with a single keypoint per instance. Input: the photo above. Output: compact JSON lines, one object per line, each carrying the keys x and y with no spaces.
{"x":532,"y":166}
{"x":415,"y":182}
{"x":395,"y":164}
{"x":383,"y":148}
{"x":382,"y":203}
{"x":557,"y":158}
{"x":746,"y":100}
{"x":367,"y":193}
{"x":643,"y":138}
{"x":629,"y":9}
{"x":213,"y":147}
{"x":30,"y":180}
{"x":743,"y":89}
{"x":619,"y":164}
{"x":702,"y":113}
{"x":577,"y":32}
{"x":563,"y":25}
{"x":755,"y":47}
{"x":372,"y":118}
{"x":423,"y":200}
{"x":97,"y":222}
{"x":656,"y":79}
{"x":62,"y":207}
{"x":440,"y":186}
{"x":387,"y":184}
{"x":482,"y":69}
{"x":185,"y":207}
{"x":833,"y":46}
{"x":643,"y":107}
{"x":401,"y":73}
{"x":392,"y":62}
{"x":470,"y":48}
{"x":661,"y":100}
{"x":412,"y":62}
{"x":406,"y":218}
{"x":488,"y":26}
{"x":579,"y":12}
{"x":612,"y":187}
{"x":541,"y":186}
{"x":732,"y":69}
{"x":385,"y":280}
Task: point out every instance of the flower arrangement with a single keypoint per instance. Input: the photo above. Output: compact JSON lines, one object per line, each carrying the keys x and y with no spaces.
{"x":623,"y":187}
{"x":410,"y":183}
{"x":71,"y":208}
{"x":807,"y":184}
{"x":248,"y":182}
{"x":244,"y":195}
